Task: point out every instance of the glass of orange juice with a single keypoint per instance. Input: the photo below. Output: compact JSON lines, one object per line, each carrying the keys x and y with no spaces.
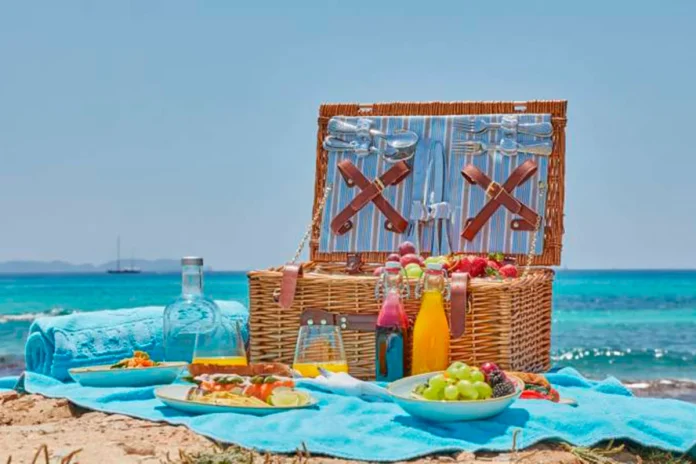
{"x":319,"y":346}
{"x":221,"y":347}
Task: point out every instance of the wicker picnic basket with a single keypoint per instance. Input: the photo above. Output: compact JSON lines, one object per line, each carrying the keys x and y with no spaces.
{"x":506,"y":321}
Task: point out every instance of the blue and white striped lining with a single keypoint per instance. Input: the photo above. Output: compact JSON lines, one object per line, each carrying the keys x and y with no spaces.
{"x":369,"y":234}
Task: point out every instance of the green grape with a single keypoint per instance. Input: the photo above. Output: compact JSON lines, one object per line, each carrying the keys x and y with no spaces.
{"x":463,"y":373}
{"x":420,"y":389}
{"x":452,"y":371}
{"x":477,"y":376}
{"x":456,"y":365}
{"x":483,"y":389}
{"x":467,"y":390}
{"x":451,"y":392}
{"x":430,"y":394}
{"x":438,"y":382}
{"x":441,"y":395}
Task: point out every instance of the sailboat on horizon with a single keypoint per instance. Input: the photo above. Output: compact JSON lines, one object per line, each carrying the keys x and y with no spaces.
{"x":122,"y":270}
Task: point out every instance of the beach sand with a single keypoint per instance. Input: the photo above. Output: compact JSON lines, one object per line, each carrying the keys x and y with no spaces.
{"x":29,"y":422}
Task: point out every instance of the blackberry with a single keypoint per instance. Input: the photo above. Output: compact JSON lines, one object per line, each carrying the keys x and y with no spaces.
{"x":496,"y":377}
{"x":503,"y":389}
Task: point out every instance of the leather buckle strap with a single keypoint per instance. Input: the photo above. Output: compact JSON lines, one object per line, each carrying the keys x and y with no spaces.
{"x":459,"y":302}
{"x":501,"y":195}
{"x":493,"y":190}
{"x":288,"y":284}
{"x":371,"y":192}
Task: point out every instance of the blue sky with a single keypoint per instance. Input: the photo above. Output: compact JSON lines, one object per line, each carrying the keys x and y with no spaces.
{"x":145,"y":118}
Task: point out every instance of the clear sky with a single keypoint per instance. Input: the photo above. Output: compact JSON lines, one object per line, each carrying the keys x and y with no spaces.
{"x":145,"y":118}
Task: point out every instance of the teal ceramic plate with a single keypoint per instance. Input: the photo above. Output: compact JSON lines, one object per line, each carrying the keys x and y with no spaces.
{"x":448,"y":411}
{"x":104,"y":376}
{"x":174,"y":396}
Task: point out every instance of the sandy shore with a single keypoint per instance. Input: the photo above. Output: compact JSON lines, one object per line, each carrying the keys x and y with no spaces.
{"x":71,"y":434}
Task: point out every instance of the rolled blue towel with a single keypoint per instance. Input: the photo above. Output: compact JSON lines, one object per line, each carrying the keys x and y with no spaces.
{"x":56,"y":344}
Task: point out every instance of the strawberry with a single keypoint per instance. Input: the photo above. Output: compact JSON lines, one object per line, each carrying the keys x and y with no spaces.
{"x":497,"y":257}
{"x":478,"y":267}
{"x":494,"y":264}
{"x":464,"y":265}
{"x":509,"y":270}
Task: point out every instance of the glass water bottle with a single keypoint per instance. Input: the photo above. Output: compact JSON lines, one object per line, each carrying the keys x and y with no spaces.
{"x":431,"y":335}
{"x":191,"y":317}
{"x":392,"y":327}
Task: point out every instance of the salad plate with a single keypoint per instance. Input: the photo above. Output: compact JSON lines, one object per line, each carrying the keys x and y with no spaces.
{"x":105,"y":376}
{"x":136,"y":371}
{"x":259,"y":395}
{"x":402,"y":390}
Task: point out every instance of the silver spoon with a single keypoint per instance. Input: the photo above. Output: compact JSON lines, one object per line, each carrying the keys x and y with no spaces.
{"x":400,"y":140}
{"x":391,"y":155}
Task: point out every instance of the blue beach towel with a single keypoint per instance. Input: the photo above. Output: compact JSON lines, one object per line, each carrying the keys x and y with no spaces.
{"x":56,"y":344}
{"x":351,"y":428}
{"x":8,"y":383}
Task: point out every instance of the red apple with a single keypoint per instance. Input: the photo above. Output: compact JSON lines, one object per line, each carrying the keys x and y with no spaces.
{"x":394,"y":257}
{"x":407,"y":248}
{"x":411,"y":258}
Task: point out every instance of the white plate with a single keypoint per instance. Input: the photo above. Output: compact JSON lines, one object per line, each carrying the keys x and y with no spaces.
{"x":104,"y":376}
{"x":448,"y":411}
{"x":174,"y":396}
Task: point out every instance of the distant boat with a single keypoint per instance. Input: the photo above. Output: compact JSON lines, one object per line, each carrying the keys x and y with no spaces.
{"x":122,"y":270}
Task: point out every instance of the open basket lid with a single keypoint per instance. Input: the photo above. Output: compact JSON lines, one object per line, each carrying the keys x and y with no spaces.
{"x":470,"y":177}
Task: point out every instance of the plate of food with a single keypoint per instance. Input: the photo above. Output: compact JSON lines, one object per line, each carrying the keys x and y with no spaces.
{"x":137,"y":371}
{"x":259,"y":395}
{"x":460,"y":393}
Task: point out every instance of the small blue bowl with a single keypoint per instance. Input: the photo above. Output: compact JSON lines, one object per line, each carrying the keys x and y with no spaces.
{"x":448,"y":411}
{"x":104,"y":376}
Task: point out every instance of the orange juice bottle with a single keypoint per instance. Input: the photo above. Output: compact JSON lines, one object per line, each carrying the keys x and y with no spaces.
{"x":431,"y":336}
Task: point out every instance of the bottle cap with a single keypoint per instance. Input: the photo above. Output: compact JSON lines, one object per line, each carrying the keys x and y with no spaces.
{"x":191,"y":261}
{"x":392,"y":265}
{"x":434,"y":266}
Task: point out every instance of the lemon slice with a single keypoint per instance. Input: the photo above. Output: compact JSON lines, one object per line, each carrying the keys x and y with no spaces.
{"x":285,"y":399}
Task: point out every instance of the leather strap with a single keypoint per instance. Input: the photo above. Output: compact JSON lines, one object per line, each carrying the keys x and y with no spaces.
{"x":500,"y":195}
{"x":459,"y":302}
{"x":359,"y":322}
{"x":371,"y":192}
{"x":288,"y":284}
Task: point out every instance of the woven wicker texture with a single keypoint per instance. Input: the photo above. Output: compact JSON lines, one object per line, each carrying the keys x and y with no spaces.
{"x":508,"y":322}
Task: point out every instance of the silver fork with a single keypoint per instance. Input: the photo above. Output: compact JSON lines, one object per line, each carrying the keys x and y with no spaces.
{"x":476,"y":126}
{"x":473,"y":147}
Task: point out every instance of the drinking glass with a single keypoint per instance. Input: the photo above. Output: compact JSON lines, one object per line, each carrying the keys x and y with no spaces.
{"x":319,"y":346}
{"x":221,"y":347}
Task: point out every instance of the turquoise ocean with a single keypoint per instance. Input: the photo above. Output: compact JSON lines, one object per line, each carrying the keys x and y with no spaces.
{"x":629,"y":324}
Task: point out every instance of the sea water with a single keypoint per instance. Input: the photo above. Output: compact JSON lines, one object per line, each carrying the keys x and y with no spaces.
{"x":629,"y":324}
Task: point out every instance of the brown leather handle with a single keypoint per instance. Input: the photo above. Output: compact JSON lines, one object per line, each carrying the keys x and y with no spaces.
{"x":288,"y":284}
{"x":359,"y":322}
{"x":459,"y":302}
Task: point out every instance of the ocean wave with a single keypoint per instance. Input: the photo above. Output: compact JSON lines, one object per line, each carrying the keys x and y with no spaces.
{"x":629,"y":363}
{"x":27,"y":317}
